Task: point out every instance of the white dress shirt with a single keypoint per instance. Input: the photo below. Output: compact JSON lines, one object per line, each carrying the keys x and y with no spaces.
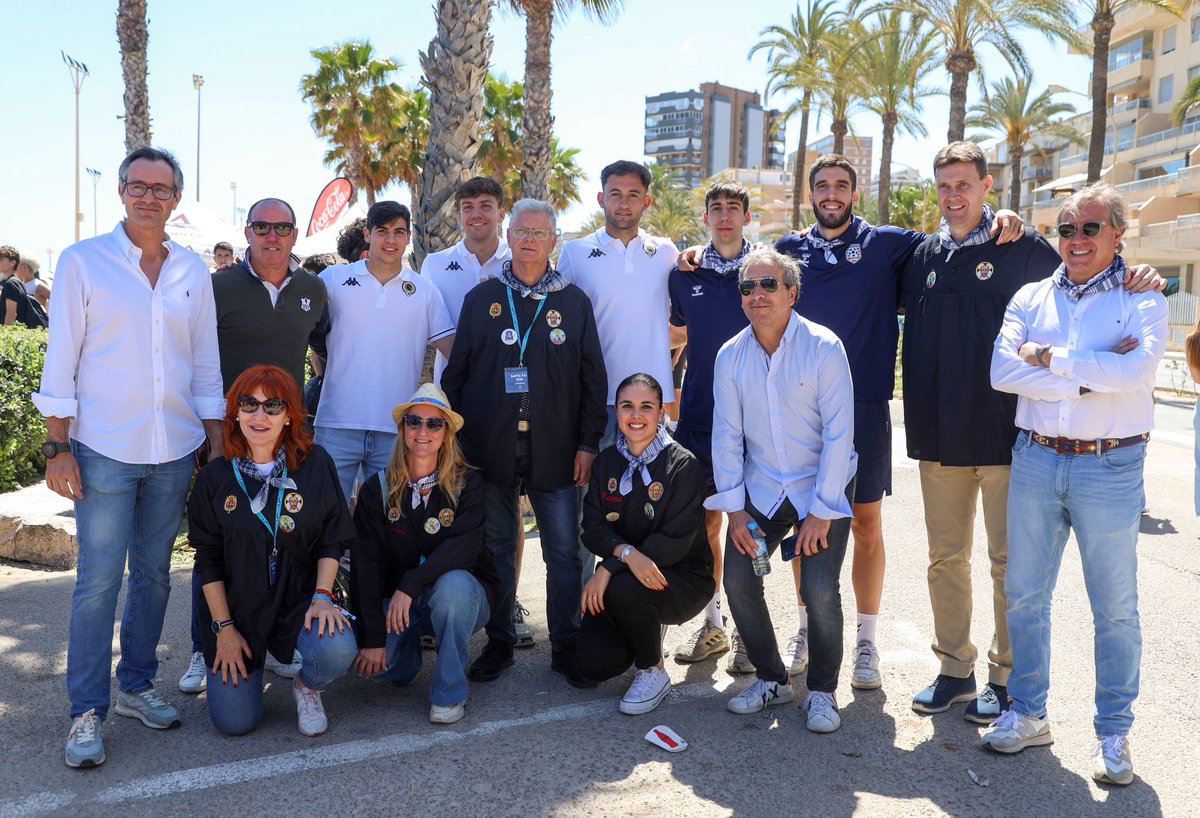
{"x":135,"y":366}
{"x":783,"y":424}
{"x":456,"y":271}
{"x":1082,"y":335}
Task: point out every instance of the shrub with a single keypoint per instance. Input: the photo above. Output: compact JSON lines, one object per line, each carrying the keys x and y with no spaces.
{"x":22,"y":428}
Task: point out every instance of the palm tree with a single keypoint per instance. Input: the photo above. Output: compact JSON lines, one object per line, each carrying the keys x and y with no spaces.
{"x":502,"y":149}
{"x":539,"y":123}
{"x":1104,"y":13}
{"x":795,"y":51}
{"x":1007,"y":110}
{"x":132,"y":35}
{"x":565,"y":176}
{"x":1189,"y":100}
{"x":673,"y":214}
{"x":353,"y":99}
{"x":915,"y":207}
{"x":962,"y":25}
{"x":895,"y":59}
{"x":840,"y":87}
{"x":455,"y":68}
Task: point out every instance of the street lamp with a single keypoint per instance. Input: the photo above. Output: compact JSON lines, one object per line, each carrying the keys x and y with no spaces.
{"x":233,"y":187}
{"x":95,"y":174}
{"x":78,"y":72}
{"x":1109,"y":119}
{"x":197,"y":82}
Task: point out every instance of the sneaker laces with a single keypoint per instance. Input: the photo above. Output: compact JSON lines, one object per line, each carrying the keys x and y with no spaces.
{"x":519,"y":613}
{"x":821,"y":704}
{"x":197,"y":666}
{"x":1111,"y":746}
{"x":310,"y":700}
{"x":1006,"y":721}
{"x":84,"y":729}
{"x":739,"y":647}
{"x":866,"y":653}
{"x":799,"y":642}
{"x":643,"y":683}
{"x":151,"y":698}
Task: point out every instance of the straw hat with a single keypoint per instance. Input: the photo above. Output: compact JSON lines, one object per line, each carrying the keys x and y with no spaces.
{"x":430,"y":395}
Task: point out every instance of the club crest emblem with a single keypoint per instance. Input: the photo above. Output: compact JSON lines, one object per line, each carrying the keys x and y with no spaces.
{"x":393,"y":514}
{"x":408,"y":287}
{"x":494,"y":310}
{"x":293,"y":502}
{"x":612,"y":485}
{"x":984,"y":270}
{"x":230,"y":504}
{"x":655,"y":491}
{"x":650,"y":249}
{"x":286,"y":524}
{"x":930,"y":279}
{"x":557,"y":336}
{"x":854,"y":253}
{"x":446,"y":517}
{"x":306,"y":304}
{"x":432,"y":525}
{"x":554,"y":318}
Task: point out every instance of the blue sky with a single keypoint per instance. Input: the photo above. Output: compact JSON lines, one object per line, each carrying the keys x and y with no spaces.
{"x":255,"y":128}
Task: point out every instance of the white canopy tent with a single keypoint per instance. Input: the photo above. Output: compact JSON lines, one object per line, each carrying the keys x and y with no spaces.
{"x":197,"y":227}
{"x":326,"y":240}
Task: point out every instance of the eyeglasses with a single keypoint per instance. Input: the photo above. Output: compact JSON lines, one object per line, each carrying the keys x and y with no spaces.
{"x":768,"y":284}
{"x":415,"y":422}
{"x":522,"y":233}
{"x":137,"y":190}
{"x":282,"y":229}
{"x":1090,"y":229}
{"x":272,"y":406}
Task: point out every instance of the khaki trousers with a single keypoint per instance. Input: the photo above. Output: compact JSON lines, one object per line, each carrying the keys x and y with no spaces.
{"x":950,"y":494}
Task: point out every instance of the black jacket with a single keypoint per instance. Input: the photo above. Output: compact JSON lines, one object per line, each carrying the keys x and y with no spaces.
{"x":568,"y":384}
{"x":233,"y":546}
{"x":402,"y":554}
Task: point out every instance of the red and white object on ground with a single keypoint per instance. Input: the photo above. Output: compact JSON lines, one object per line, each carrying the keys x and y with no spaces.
{"x":668,"y":739}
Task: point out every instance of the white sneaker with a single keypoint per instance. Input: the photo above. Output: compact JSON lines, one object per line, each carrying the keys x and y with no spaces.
{"x":287,"y":671}
{"x":446,"y":715}
{"x":759,"y":695}
{"x":1111,"y":762}
{"x":866,"y":667}
{"x":647,"y":690}
{"x":196,"y":677}
{"x":1013,"y":732}
{"x":822,"y":712}
{"x":798,"y":647}
{"x":309,"y":711}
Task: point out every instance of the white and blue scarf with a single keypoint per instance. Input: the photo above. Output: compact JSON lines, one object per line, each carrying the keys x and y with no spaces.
{"x":661,"y":441}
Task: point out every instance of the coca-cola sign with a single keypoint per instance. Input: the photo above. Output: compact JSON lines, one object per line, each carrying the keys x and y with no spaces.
{"x":331,"y":204}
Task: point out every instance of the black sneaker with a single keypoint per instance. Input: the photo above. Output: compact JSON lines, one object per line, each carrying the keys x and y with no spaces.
{"x":562,"y":660}
{"x":495,"y":658}
{"x":992,"y":701}
{"x":945,"y":691}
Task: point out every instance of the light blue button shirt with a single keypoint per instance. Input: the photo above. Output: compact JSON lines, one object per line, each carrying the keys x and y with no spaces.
{"x":783,"y":424}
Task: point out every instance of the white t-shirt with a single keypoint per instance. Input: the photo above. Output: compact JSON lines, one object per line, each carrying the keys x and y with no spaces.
{"x":376,"y":344}
{"x":456,"y":271}
{"x":628,"y":289}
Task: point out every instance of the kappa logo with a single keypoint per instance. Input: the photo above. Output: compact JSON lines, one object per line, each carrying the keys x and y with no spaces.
{"x":351,"y":282}
{"x":697,"y":289}
{"x":596,"y":253}
{"x":454,"y":265}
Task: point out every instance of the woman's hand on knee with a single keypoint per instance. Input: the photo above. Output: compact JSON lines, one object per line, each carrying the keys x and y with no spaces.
{"x":327,"y":617}
{"x":232,"y":650}
{"x":593,"y":592}
{"x":646,"y":571}
{"x":399,"y":612}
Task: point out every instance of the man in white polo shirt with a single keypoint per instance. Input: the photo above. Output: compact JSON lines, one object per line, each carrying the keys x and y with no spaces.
{"x":382,"y":317}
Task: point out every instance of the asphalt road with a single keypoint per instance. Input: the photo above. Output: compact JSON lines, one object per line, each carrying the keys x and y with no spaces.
{"x":533,"y":746}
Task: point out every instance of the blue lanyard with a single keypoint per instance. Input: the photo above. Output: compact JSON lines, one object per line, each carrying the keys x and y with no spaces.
{"x":273,"y":529}
{"x":517,"y":327}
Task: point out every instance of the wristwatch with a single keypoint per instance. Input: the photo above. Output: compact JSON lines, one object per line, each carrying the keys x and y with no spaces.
{"x":217,"y":626}
{"x":52,"y":447}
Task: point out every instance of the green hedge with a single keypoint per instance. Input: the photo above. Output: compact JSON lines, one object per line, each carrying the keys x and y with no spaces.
{"x":22,"y":428}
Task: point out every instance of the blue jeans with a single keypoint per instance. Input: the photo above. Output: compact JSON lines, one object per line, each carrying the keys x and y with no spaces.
{"x":237,"y":709}
{"x":820,"y":585}
{"x":558,"y":532}
{"x":352,"y":449}
{"x":1101,"y":499}
{"x":129,"y":512}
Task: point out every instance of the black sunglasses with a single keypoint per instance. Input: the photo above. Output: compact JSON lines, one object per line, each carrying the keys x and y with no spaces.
{"x":768,"y":284}
{"x":1090,"y":229}
{"x":272,"y":406}
{"x":432,"y":424}
{"x":282,"y":229}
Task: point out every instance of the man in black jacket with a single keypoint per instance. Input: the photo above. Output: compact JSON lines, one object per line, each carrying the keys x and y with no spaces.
{"x":528,"y":375}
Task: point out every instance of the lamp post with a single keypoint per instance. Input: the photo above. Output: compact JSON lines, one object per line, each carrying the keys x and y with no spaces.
{"x":1109,"y":119}
{"x":233,"y":187}
{"x":95,"y":174}
{"x":197,"y":82}
{"x":78,"y":72}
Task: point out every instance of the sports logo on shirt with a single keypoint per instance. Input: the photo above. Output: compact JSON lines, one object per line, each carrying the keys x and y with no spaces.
{"x":596,"y":253}
{"x":351,"y":282}
{"x":649,"y":249}
{"x":494,"y":310}
{"x":293,"y":503}
{"x":554,"y":318}
{"x":306,"y":304}
{"x":984,"y":270}
{"x":454,"y":265}
{"x":408,"y":287}
{"x":930,"y":279}
{"x":446,"y":517}
{"x":854,"y":253}
{"x":697,"y":289}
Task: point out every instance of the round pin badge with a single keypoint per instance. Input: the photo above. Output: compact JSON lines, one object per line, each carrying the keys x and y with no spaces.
{"x":408,"y":287}
{"x":649,"y":509}
{"x":612,"y":484}
{"x":612,"y":516}
{"x":230,"y":504}
{"x":930,"y":279}
{"x":494,"y":310}
{"x":655,"y":491}
{"x":557,"y":336}
{"x":446,"y":517}
{"x":393,"y":514}
{"x":286,"y":524}
{"x":554,"y":318}
{"x":509,"y":336}
{"x":984,"y":270}
{"x":293,"y":502}
{"x":432,"y":526}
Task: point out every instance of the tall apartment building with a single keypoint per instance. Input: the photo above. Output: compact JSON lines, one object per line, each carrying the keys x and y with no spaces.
{"x":700,"y":133}
{"x":860,"y":150}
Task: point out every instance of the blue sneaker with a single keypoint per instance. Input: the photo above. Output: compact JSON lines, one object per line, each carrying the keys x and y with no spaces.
{"x":148,"y":708}
{"x":992,"y":701}
{"x":945,"y":691}
{"x":85,"y":742}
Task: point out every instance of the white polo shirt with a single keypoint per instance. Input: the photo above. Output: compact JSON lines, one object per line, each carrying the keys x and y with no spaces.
{"x":456,"y":271}
{"x":377,"y":339}
{"x":628,"y":289}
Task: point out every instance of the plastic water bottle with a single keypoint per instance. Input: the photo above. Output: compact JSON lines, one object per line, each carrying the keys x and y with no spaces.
{"x":762,"y":561}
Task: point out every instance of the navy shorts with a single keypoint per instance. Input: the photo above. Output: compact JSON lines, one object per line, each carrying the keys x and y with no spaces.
{"x":699,"y":443}
{"x":873,"y":442}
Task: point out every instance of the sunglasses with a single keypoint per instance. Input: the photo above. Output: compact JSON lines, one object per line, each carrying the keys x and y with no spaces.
{"x":415,"y":422}
{"x":272,"y":406}
{"x":768,"y":284}
{"x":282,"y":229}
{"x":1090,"y":229}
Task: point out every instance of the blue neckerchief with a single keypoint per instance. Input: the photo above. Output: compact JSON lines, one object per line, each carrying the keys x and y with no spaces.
{"x":280,"y":484}
{"x":1108,"y":279}
{"x":661,"y":441}
{"x":712,"y":260}
{"x":550,"y":282}
{"x":980,"y":235}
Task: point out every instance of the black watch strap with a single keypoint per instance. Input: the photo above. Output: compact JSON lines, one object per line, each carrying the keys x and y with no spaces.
{"x":52,"y":447}
{"x":218,"y":626}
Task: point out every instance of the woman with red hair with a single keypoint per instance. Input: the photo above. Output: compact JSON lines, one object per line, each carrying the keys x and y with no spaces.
{"x":269,"y":523}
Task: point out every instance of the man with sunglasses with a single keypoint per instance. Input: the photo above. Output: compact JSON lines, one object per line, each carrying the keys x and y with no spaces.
{"x":1080,"y":352}
{"x":130,"y":388}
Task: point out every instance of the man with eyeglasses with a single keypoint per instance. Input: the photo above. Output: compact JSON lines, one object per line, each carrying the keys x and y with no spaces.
{"x":268,"y":312}
{"x":130,"y":388}
{"x":783,"y":458}
{"x":528,"y":375}
{"x":1080,"y":352}
{"x":382,"y":317}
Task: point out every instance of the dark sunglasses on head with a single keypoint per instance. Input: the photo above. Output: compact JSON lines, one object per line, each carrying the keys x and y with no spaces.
{"x":282,"y":229}
{"x":272,"y":406}
{"x":768,"y":284}
{"x":432,"y":424}
{"x":1090,"y":229}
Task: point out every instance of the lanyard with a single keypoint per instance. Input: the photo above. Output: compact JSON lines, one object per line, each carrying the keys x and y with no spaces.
{"x":517,"y":327}
{"x":273,"y":529}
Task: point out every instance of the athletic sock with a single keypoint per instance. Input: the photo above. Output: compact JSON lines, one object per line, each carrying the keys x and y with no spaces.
{"x":803,"y":618}
{"x":712,"y":613}
{"x":866,"y":627}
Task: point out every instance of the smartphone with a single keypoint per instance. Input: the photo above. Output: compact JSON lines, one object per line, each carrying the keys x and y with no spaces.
{"x":788,"y":546}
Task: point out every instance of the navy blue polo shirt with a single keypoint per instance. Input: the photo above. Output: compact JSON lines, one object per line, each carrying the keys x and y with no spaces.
{"x":856,"y":297}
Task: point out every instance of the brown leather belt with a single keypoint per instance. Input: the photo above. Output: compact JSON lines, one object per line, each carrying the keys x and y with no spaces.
{"x":522,"y":426}
{"x":1067,"y":445}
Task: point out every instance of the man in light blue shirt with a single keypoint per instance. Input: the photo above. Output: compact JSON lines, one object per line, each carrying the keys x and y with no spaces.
{"x":783,"y":458}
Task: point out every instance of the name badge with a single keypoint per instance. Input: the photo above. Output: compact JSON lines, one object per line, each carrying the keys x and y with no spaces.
{"x":516,"y":379}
